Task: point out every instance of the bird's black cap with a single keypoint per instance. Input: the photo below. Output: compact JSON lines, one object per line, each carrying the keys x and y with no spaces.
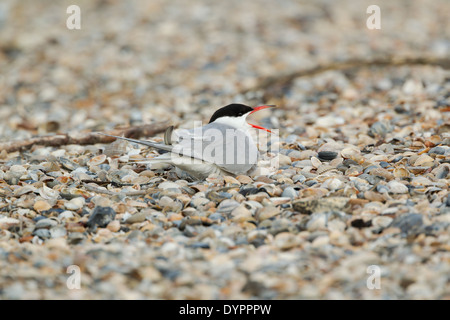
{"x":231,"y":110}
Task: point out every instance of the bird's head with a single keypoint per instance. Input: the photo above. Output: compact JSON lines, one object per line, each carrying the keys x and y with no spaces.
{"x":236,"y":114}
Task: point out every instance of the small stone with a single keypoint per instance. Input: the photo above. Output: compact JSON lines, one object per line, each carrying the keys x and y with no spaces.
{"x":168,"y":185}
{"x":383,"y":173}
{"x":309,"y":206}
{"x":290,"y":193}
{"x":58,"y":232}
{"x":228,"y":205}
{"x":380,"y":128}
{"x":46,"y":223}
{"x":283,"y":160}
{"x":286,"y":241}
{"x":327,"y":155}
{"x":267,"y":213}
{"x":408,"y":223}
{"x":75,"y":237}
{"x":397,"y":187}
{"x":137,"y":217}
{"x":66,"y":215}
{"x":320,"y":241}
{"x":42,"y":233}
{"x":75,"y":203}
{"x":437,"y":150}
{"x":113,"y":226}
{"x":382,"y":221}
{"x":317,"y":221}
{"x":100,"y":217}
{"x":442,"y":171}
{"x":199,"y":202}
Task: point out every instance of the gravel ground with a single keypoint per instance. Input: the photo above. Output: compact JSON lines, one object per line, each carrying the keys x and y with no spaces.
{"x":364,"y":151}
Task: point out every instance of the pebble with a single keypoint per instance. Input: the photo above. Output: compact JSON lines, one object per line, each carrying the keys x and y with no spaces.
{"x":267,"y":213}
{"x":169,"y":185}
{"x":397,"y":187}
{"x":290,"y":193}
{"x":100,"y":217}
{"x":408,"y":223}
{"x":113,"y":226}
{"x":46,"y":223}
{"x":75,"y":203}
{"x":317,"y":221}
{"x":136,"y":218}
{"x":382,"y":221}
{"x":327,"y":155}
{"x":41,"y":205}
{"x":227,"y":206}
{"x":42,"y":233}
{"x":320,"y":205}
{"x":58,"y":232}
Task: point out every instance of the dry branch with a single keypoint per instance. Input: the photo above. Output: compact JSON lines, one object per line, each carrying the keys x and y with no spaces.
{"x":124,"y":193}
{"x":273,"y":86}
{"x":135,"y":132}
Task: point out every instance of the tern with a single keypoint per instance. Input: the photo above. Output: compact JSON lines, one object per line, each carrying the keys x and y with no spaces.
{"x":223,"y":146}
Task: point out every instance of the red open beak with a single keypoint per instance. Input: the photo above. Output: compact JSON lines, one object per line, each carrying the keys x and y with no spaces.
{"x":261,"y":108}
{"x":257,"y":109}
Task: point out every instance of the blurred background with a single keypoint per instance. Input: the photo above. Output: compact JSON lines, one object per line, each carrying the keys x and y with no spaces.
{"x":136,"y":61}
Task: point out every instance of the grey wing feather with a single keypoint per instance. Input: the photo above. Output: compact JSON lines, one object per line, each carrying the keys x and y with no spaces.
{"x":143,"y":142}
{"x":230,"y":149}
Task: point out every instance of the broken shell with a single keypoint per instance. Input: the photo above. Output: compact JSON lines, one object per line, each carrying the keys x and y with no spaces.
{"x":424,"y":161}
{"x":75,"y":203}
{"x":41,"y":205}
{"x":316,"y":163}
{"x":267,"y":213}
{"x":244,"y":179}
{"x":333,"y":184}
{"x":349,"y":153}
{"x":95,"y":161}
{"x":48,"y":193}
{"x":231,"y":180}
{"x":23,"y":190}
{"x":380,"y":172}
{"x":324,"y":168}
{"x":382,"y":221}
{"x":401,"y":172}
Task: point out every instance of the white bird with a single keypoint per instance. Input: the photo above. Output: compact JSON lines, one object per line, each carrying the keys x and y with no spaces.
{"x":223,"y":146}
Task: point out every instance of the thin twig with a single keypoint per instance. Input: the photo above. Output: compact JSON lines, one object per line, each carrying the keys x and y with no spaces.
{"x":273,"y":86}
{"x":122,"y":193}
{"x":135,"y":132}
